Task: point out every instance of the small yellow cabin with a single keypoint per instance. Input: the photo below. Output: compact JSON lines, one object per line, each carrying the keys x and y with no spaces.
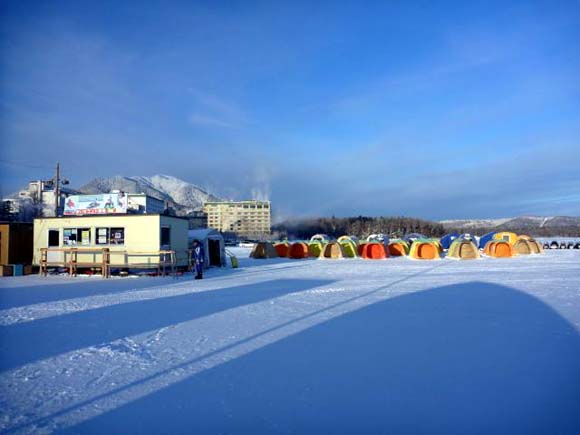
{"x":133,"y":240}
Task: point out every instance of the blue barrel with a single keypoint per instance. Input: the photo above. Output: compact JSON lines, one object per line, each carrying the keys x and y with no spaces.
{"x":17,"y":269}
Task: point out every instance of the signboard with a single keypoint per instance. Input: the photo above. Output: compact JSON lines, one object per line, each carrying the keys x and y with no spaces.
{"x":106,"y":203}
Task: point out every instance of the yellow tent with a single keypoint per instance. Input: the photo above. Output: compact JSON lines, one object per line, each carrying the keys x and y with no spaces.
{"x":315,"y":247}
{"x":349,"y":248}
{"x":264,"y":250}
{"x":352,"y":239}
{"x":536,"y":247}
{"x":463,"y":250}
{"x":332,"y":251}
{"x":527,"y":245}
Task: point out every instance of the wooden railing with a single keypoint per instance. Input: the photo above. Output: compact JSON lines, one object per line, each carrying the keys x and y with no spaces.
{"x":164,"y":261}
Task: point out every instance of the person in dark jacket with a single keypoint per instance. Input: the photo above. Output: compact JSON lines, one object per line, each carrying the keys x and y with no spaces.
{"x":198,"y":256}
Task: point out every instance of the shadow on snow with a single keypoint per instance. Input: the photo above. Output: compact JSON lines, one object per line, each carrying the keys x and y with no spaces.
{"x":472,"y":358}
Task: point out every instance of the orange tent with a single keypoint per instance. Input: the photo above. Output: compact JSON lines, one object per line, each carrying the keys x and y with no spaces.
{"x":374,"y":251}
{"x":398,"y":248}
{"x":282,"y":249}
{"x":425,"y":250}
{"x":298,"y":250}
{"x":499,"y":249}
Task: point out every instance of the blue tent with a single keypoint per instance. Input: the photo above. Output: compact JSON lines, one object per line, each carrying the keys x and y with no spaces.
{"x":486,"y":238}
{"x":447,"y":239}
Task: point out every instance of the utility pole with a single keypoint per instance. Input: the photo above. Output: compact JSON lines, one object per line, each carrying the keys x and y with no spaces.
{"x":55,"y":182}
{"x":56,"y":190}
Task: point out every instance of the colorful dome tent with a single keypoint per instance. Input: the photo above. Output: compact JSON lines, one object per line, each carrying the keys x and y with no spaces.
{"x":486,"y":238}
{"x":374,"y":251}
{"x":320,"y":238}
{"x":263,"y":250}
{"x":315,"y":247}
{"x":536,"y":246}
{"x":499,"y":249}
{"x":353,"y":239}
{"x":398,"y":248}
{"x":282,"y":248}
{"x":448,"y":239}
{"x":506,"y":237}
{"x":526,"y":246}
{"x":425,"y":249}
{"x":523,"y":247}
{"x":349,"y":246}
{"x":332,"y":251}
{"x":463,"y":249}
{"x":298,"y":250}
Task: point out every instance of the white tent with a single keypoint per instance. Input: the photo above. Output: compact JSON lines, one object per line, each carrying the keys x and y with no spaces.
{"x":213,"y":246}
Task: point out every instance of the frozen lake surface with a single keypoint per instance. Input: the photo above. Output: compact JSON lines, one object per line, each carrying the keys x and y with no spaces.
{"x":398,"y":346}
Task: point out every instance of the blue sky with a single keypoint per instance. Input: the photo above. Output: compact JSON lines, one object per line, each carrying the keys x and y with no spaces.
{"x":430,"y":109}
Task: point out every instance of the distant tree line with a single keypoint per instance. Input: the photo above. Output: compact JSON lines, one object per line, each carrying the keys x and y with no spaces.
{"x":361,"y":226}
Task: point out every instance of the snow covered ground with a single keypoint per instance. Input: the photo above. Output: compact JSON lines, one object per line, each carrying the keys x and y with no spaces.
{"x":298,"y":346}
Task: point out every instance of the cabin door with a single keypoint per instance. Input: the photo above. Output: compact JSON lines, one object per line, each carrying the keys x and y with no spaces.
{"x":214,"y":253}
{"x":54,"y":242}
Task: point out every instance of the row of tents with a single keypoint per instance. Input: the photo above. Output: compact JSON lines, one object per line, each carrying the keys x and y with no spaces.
{"x":462,"y":247}
{"x":496,"y":244}
{"x":344,"y":247}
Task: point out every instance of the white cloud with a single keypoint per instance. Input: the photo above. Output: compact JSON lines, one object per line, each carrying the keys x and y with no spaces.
{"x":209,"y":121}
{"x":213,"y":111}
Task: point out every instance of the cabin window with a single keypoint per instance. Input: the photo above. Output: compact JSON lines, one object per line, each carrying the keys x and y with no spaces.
{"x":110,"y":236}
{"x":76,"y":236}
{"x":117,"y":236}
{"x":102,"y":236}
{"x":165,"y":237}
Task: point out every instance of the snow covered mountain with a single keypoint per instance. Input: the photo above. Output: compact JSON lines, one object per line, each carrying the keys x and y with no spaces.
{"x":473,"y":223}
{"x":181,"y":195}
{"x":513,"y":223}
